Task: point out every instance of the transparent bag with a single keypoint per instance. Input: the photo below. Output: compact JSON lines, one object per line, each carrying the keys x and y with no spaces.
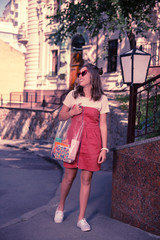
{"x":67,"y":139}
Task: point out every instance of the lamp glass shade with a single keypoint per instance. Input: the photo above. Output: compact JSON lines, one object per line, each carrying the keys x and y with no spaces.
{"x":126,"y":64}
{"x":134,"y":65}
{"x":140,"y":70}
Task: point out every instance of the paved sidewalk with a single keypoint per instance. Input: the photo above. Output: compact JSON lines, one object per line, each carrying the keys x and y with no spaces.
{"x":37,"y":223}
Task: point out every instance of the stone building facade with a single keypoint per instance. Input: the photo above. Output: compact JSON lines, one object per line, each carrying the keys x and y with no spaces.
{"x":49,"y":68}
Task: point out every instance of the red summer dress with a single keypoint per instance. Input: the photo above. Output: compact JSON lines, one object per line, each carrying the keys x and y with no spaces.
{"x":90,"y":146}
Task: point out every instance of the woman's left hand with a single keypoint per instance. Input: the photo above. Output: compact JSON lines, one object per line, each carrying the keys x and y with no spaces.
{"x":102,"y":157}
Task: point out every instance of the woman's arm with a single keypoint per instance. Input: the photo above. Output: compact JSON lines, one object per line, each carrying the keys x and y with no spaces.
{"x":103,"y":129}
{"x":66,"y":112}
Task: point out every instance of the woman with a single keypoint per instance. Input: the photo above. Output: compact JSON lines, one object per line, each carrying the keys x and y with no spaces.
{"x":89,"y":101}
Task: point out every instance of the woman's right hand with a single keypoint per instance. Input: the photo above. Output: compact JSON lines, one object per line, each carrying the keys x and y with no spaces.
{"x":76,"y":110}
{"x":66,"y":112}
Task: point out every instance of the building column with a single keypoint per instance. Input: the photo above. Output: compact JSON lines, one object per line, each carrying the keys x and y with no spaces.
{"x":32,"y":53}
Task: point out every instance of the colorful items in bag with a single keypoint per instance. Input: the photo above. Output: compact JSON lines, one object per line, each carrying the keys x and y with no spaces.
{"x":58,"y":139}
{"x":61,"y":152}
{"x":65,"y":152}
{"x":61,"y":144}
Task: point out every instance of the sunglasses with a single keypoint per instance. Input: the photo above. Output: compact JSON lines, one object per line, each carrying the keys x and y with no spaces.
{"x":82,"y":73}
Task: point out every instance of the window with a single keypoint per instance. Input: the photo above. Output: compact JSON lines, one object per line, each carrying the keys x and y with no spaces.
{"x":112,"y":56}
{"x":54,"y":62}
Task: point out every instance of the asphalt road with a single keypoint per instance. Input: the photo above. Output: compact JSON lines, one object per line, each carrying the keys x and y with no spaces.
{"x":27,"y":182}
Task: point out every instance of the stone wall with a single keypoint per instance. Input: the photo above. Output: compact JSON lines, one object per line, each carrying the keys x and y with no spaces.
{"x":23,"y":124}
{"x":136,"y":185}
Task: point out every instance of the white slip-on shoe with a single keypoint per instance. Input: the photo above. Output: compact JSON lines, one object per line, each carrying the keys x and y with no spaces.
{"x":59,"y":216}
{"x":83,"y":225}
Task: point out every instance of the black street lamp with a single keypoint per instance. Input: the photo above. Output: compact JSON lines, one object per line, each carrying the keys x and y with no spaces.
{"x":134,"y":66}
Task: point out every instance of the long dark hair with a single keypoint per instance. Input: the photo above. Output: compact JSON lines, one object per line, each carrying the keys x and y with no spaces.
{"x":96,"y":90}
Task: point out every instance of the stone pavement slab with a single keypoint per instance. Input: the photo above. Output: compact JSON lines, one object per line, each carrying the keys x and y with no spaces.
{"x":42,"y":227}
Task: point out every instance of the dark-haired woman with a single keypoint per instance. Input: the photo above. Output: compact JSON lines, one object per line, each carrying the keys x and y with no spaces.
{"x":87,"y":99}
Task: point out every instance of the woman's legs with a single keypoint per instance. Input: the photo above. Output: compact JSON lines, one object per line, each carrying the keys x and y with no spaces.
{"x":69,"y":176}
{"x":86,"y":178}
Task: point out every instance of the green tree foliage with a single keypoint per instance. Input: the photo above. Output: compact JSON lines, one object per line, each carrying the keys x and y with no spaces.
{"x":129,"y":17}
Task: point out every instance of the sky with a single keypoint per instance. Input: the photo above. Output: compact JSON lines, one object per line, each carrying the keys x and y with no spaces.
{"x":2,"y":6}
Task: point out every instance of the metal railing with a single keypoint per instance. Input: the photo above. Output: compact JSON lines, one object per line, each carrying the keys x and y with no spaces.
{"x":148,"y":109}
{"x":31,"y":101}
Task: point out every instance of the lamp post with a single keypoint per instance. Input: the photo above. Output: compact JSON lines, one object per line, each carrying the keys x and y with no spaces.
{"x":134,"y":66}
